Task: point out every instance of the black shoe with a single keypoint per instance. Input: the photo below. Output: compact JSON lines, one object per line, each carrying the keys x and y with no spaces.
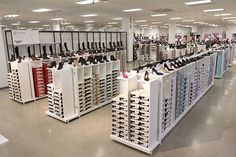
{"x":60,"y":46}
{"x":83,"y":46}
{"x":174,"y":65}
{"x":51,"y":50}
{"x":60,"y":66}
{"x":93,"y":60}
{"x":100,"y":59}
{"x":146,"y":76}
{"x":66,"y":47}
{"x":71,"y":60}
{"x":82,"y":61}
{"x":62,"y":54}
{"x":166,"y":66}
{"x":155,"y":71}
{"x":105,"y":59}
{"x":12,"y":59}
{"x":17,"y":52}
{"x":113,"y":58}
{"x":19,"y":59}
{"x":29,"y":53}
{"x":52,"y":64}
{"x":45,"y":56}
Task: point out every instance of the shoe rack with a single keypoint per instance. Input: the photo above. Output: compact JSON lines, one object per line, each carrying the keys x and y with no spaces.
{"x":232,"y":55}
{"x":222,"y":62}
{"x":153,"y":108}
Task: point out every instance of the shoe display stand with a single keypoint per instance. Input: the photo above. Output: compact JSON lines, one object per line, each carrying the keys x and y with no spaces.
{"x":222,"y":62}
{"x":232,"y":55}
{"x":82,"y":89}
{"x":151,"y":109}
{"x":26,"y":81}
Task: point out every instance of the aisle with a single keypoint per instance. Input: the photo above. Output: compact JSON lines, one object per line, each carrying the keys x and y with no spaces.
{"x":209,"y":130}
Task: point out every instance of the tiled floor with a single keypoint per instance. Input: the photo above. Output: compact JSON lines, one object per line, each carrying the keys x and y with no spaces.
{"x":209,"y":130}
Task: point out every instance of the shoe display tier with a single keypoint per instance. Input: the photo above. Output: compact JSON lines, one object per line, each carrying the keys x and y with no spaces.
{"x":83,"y":88}
{"x":151,"y":103}
{"x":232,"y":55}
{"x":222,"y":63}
{"x":27,"y":81}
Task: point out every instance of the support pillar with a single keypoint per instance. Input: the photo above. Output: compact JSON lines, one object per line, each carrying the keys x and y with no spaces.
{"x":172,"y":30}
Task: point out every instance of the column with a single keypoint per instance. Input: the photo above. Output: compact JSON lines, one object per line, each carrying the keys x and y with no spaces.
{"x":3,"y":61}
{"x":172,"y":30}
{"x":194,"y":29}
{"x":56,"y":27}
{"x":127,"y":26}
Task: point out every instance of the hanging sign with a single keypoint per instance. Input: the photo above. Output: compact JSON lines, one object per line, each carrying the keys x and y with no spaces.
{"x":25,"y":37}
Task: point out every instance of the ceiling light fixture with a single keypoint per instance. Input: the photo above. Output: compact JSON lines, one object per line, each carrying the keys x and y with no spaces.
{"x":117,"y":18}
{"x":213,"y":10}
{"x":32,"y":22}
{"x":158,"y":15}
{"x":46,"y":25}
{"x":84,"y":2}
{"x":141,"y":21}
{"x":132,"y":10}
{"x":15,"y":24}
{"x":198,"y":2}
{"x":11,"y":16}
{"x":226,"y":14}
{"x":89,"y":15}
{"x":89,"y":21}
{"x":228,"y":18}
{"x":176,"y":18}
{"x":188,"y":20}
{"x":164,"y":27}
{"x":113,"y":23}
{"x":41,"y":10}
{"x":143,"y":25}
{"x":156,"y":22}
{"x":58,"y":19}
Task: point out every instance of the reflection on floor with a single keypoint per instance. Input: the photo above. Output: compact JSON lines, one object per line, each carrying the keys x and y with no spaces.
{"x":209,"y":130}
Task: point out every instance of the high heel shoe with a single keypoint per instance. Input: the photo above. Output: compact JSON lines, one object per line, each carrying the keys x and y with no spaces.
{"x":113,"y":58}
{"x":60,"y":66}
{"x":155,"y":71}
{"x":167,"y":67}
{"x":124,"y":74}
{"x":105,"y":59}
{"x":29,"y":53}
{"x":146,"y":76}
{"x":45,"y":56}
{"x":34,"y":58}
{"x":19,"y":59}
{"x":52,"y":64}
{"x":17,"y":52}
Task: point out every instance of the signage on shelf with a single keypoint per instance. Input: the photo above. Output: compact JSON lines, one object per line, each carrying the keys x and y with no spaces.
{"x":25,"y":37}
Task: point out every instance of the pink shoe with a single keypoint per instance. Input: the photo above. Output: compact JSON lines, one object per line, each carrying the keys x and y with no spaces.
{"x":124,"y":74}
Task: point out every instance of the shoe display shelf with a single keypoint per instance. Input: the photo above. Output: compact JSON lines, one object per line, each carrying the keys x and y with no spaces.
{"x":232,"y":55}
{"x":121,"y":55}
{"x":60,"y":96}
{"x":222,"y":62}
{"x":47,"y":72}
{"x":161,"y":102}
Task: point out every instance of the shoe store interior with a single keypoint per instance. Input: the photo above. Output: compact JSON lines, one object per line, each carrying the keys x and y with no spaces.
{"x":116,"y":78}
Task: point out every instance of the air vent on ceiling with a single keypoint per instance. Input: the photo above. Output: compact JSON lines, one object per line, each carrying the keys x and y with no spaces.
{"x":163,"y":10}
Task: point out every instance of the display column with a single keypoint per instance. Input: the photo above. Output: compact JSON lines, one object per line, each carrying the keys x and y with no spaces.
{"x":172,"y":30}
{"x":127,"y":26}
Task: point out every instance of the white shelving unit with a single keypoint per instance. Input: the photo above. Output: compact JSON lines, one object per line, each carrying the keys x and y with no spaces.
{"x":222,"y":62}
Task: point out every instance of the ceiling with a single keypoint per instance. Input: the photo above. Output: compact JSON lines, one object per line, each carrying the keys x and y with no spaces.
{"x":112,"y":9}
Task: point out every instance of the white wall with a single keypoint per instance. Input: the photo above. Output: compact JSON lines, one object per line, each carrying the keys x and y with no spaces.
{"x":183,"y":31}
{"x":3,"y":62}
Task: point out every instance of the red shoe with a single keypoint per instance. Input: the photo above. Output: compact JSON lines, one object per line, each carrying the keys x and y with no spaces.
{"x":124,"y":74}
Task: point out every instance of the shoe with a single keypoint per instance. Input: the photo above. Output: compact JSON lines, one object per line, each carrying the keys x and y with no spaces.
{"x":71,"y":60}
{"x":83,"y":45}
{"x":92,"y":60}
{"x":155,"y":71}
{"x":62,"y":54}
{"x":166,"y":66}
{"x":83,"y":61}
{"x":29,"y":53}
{"x":100,"y":59}
{"x":52,"y":64}
{"x":146,"y":76}
{"x":34,"y":58}
{"x":19,"y":59}
{"x":105,"y":59}
{"x":113,"y":58}
{"x":124,"y":74}
{"x":45,"y":56}
{"x":88,"y":46}
{"x":12,"y":59}
{"x":60,"y":66}
{"x":66,"y":47}
{"x":76,"y":63}
{"x":60,"y":46}
{"x":17,"y":52}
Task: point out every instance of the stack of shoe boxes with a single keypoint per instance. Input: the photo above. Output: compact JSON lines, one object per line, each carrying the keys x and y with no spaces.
{"x":39,"y":82}
{"x":88,"y":82}
{"x":16,"y":85}
{"x":115,"y":83}
{"x":96,"y":91}
{"x":109,"y":87}
{"x":50,"y":98}
{"x":81,"y":97}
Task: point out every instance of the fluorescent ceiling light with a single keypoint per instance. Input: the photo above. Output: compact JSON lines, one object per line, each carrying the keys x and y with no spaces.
{"x":41,"y":10}
{"x":65,"y":23}
{"x":89,"y":15}
{"x":113,"y":23}
{"x":21,"y":28}
{"x":46,"y":25}
{"x":71,"y":26}
{"x":39,"y":28}
{"x":198,"y":2}
{"x":228,"y":18}
{"x":15,"y":24}
{"x":132,"y":10}
{"x":141,"y":21}
{"x":213,"y":10}
{"x":226,"y":14}
{"x":176,"y":18}
{"x":58,"y":19}
{"x":188,"y":20}
{"x":166,"y":24}
{"x":158,"y":15}
{"x":11,"y":16}
{"x":156,"y":22}
{"x":34,"y":22}
{"x":118,"y":18}
{"x":143,"y":25}
{"x":89,"y":21}
{"x":164,"y":27}
{"x":84,"y":2}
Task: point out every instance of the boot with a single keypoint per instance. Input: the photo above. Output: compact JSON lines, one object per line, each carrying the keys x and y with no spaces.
{"x":111,"y":48}
{"x":100,"y":59}
{"x":114,"y":46}
{"x":52,"y":64}
{"x":34,"y":58}
{"x":113,"y":58}
{"x":93,"y":60}
{"x":60,"y":66}
{"x":105,"y":59}
{"x":60,"y":46}
{"x":65,"y":45}
{"x":104,"y":47}
{"x":88,"y":45}
{"x":29,"y":53}
{"x":19,"y":59}
{"x":12,"y":59}
{"x":82,"y":61}
{"x":79,"y":48}
{"x":83,"y":46}
{"x":17,"y":52}
{"x":45,"y":56}
{"x":51,"y":50}
{"x":146,"y":76}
